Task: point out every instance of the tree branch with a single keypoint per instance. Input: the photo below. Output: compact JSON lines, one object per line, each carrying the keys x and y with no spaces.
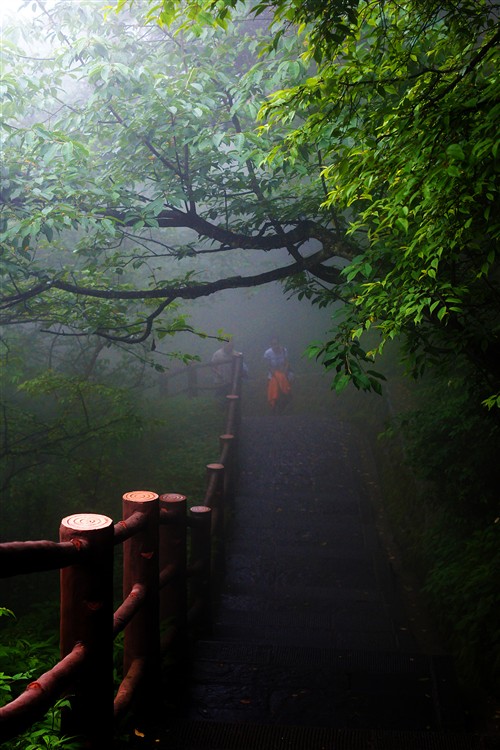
{"x":203,"y":289}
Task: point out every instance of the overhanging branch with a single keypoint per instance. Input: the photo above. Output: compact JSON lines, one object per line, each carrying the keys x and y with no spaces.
{"x":168,"y":294}
{"x":313,"y":263}
{"x":205,"y":289}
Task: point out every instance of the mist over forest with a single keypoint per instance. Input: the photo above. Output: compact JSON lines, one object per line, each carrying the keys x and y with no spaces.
{"x":172,"y":177}
{"x":252,"y":318}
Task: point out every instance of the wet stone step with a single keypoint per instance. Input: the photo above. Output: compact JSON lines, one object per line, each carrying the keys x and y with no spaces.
{"x":202,"y":735}
{"x":311,"y":647}
{"x":329,"y":629}
{"x":260,"y":683}
{"x":365,"y":661}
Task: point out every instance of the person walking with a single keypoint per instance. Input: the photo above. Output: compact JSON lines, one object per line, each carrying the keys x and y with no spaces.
{"x":279,"y":387}
{"x":222,"y":367}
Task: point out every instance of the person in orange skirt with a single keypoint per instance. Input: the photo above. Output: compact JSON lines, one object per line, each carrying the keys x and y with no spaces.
{"x":279,"y":387}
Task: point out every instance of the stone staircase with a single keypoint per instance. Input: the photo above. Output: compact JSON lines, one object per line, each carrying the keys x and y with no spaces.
{"x":312,"y":648}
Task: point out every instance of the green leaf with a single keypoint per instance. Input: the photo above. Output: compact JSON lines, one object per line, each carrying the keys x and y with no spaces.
{"x":455,"y":151}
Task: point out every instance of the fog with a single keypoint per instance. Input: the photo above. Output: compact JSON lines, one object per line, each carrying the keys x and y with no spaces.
{"x":74,"y":390}
{"x":136,"y":174}
{"x":252,"y":318}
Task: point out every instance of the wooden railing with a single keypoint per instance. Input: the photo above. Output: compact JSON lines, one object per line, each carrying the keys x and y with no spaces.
{"x":172,"y":557}
{"x":190,"y":379}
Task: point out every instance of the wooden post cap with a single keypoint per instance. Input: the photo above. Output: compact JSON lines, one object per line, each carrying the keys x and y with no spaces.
{"x":172,"y":497}
{"x":86,"y":522}
{"x":140,"y":496}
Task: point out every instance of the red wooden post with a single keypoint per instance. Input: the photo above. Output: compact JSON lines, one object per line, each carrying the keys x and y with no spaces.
{"x":227,"y":458}
{"x":87,"y":617}
{"x":236,"y":372}
{"x":173,"y":562}
{"x":142,"y":634}
{"x":215,"y":499}
{"x":233,"y":422}
{"x":201,"y":596}
{"x":173,"y":599}
{"x":233,"y":415}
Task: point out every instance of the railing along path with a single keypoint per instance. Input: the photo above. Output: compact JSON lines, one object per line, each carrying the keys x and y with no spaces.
{"x":172,"y":556}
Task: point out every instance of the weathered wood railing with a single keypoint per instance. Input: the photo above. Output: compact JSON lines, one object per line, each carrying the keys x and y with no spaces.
{"x":172,"y":557}
{"x":192,"y":379}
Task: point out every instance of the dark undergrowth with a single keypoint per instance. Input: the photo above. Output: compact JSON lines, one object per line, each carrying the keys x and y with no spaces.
{"x":437,"y":459}
{"x":168,"y":452}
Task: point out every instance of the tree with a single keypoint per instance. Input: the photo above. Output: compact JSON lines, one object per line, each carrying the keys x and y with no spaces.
{"x":401,"y":103}
{"x":402,"y":106}
{"x":130,"y":182}
{"x":373,"y":170}
{"x":132,"y":164}
{"x":348,"y":148}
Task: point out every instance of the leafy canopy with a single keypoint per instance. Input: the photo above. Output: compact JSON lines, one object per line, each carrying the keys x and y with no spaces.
{"x":134,"y":178}
{"x":135,"y":160}
{"x":402,"y":104}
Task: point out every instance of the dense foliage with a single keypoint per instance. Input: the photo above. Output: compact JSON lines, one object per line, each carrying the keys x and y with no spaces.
{"x":126,"y":173}
{"x":401,"y":105}
{"x":377,"y":145}
{"x":441,"y":495}
{"x":24,"y":655}
{"x":131,"y":176}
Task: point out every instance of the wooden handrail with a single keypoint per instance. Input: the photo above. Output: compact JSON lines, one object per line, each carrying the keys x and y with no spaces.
{"x":190,"y":372}
{"x":40,"y":694}
{"x":162,"y":591}
{"x":17,"y":558}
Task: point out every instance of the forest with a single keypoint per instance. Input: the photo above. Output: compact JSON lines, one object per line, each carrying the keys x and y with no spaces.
{"x":160,"y":158}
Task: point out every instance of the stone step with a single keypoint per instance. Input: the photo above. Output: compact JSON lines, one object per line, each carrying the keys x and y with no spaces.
{"x":266,"y":654}
{"x":201,"y":735}
{"x":342,"y":624}
{"x":268,"y":683}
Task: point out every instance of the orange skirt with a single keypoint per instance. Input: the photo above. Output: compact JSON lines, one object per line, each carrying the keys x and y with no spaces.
{"x":278,"y":384}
